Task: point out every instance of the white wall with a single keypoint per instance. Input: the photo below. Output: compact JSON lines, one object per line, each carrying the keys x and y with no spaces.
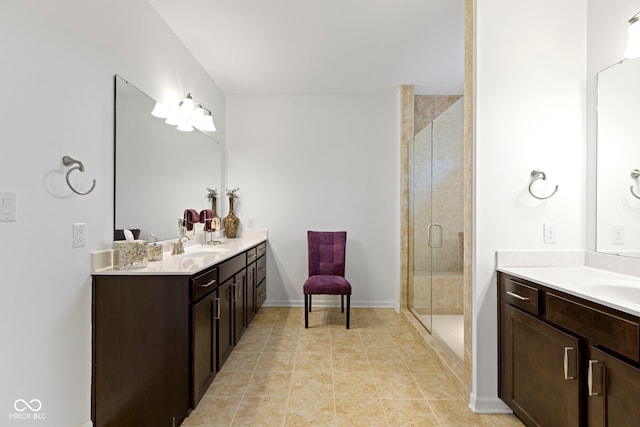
{"x":320,"y":163}
{"x":58,"y":62}
{"x":530,"y":112}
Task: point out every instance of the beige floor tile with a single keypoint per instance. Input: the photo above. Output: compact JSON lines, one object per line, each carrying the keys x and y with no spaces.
{"x":350,"y":362}
{"x":360,"y":412}
{"x":422,"y":363}
{"x":437,"y":387}
{"x":387,"y":362}
{"x":229,"y":383}
{"x":314,"y":345}
{"x":276,"y":361}
{"x":409,"y":412}
{"x":310,"y":384}
{"x":345,"y":345}
{"x":310,"y":411}
{"x":396,"y":386}
{"x":377,"y":373}
{"x":251,"y":344}
{"x":261,"y":411}
{"x":504,"y":420}
{"x":456,"y":413}
{"x":281,"y":343}
{"x":269,"y":384}
{"x":313,"y":361}
{"x":213,"y":412}
{"x":241,"y":361}
{"x":282,"y":330}
{"x":354,"y":385}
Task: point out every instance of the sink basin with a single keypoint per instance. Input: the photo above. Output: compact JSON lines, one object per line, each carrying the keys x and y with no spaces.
{"x":623,"y":292}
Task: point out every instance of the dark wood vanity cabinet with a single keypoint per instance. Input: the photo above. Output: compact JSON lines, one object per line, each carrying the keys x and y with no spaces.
{"x":204,"y":336}
{"x":159,"y":340}
{"x":564,"y":361}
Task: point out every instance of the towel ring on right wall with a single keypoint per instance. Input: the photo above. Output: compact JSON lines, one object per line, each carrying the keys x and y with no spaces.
{"x":536,"y":175}
{"x":635,"y":173}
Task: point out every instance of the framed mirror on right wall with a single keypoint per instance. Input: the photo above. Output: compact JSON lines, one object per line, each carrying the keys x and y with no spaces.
{"x":618,"y":160}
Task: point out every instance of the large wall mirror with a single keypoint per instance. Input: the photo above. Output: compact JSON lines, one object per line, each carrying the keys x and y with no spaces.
{"x":159,"y":171}
{"x":618,"y":186}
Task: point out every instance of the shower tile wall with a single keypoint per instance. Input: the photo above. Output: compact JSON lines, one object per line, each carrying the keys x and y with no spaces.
{"x":447,"y":197}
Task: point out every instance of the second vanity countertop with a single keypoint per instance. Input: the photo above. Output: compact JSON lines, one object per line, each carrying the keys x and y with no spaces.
{"x":196,"y":257}
{"x":612,"y":289}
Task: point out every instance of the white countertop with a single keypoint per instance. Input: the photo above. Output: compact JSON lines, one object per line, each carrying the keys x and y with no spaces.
{"x":197,"y":257}
{"x":606,"y":287}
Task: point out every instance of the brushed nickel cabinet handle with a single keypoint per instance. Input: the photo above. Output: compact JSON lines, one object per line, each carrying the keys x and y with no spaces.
{"x":206,"y":285}
{"x":262,"y":268}
{"x":566,"y":364}
{"x":234,"y":292}
{"x":217,"y":303}
{"x":591,"y":377}
{"x":520,"y":297}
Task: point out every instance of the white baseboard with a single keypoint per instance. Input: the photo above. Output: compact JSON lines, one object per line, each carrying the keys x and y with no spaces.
{"x":488,"y":405}
{"x":317,"y":302}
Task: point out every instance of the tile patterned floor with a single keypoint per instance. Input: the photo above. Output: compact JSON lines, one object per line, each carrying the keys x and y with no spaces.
{"x":375,"y":374}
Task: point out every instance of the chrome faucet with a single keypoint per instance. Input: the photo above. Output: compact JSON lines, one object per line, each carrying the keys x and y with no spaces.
{"x":178,"y":247}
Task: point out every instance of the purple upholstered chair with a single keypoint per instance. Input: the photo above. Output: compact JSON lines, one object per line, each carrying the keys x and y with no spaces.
{"x":326,"y":269}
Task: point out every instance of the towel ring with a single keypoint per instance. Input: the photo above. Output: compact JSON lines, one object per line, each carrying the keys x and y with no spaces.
{"x":635,"y":173}
{"x":68,"y":161}
{"x":536,"y":175}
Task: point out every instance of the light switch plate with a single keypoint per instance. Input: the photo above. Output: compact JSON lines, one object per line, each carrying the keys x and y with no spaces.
{"x":7,"y":207}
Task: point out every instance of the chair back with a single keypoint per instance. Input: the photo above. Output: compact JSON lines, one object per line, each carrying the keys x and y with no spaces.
{"x":326,"y":252}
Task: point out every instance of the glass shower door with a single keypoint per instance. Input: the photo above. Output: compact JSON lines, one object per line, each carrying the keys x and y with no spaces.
{"x":420,"y":226}
{"x":436,"y":219}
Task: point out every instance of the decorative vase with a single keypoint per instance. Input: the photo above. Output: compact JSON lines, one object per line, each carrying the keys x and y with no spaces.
{"x":231,"y":222}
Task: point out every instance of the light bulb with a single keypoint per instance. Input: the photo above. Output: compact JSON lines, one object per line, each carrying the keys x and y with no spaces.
{"x":184,"y":126}
{"x":160,"y":110}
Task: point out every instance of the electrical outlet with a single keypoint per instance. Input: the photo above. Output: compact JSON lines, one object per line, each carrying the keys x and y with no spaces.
{"x":252,"y":222}
{"x":550,"y":233}
{"x":79,"y":234}
{"x":617,"y":234}
{"x":8,"y":207}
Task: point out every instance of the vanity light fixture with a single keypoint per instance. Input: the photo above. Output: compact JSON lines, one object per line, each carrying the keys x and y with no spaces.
{"x":633,"y":42}
{"x":186,"y":116}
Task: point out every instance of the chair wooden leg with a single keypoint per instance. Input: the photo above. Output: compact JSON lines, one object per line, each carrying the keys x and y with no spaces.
{"x":348,"y":309}
{"x":309,"y":301}
{"x":306,"y":312}
{"x":341,"y":303}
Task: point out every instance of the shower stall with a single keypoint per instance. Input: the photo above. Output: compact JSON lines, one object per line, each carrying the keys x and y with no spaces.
{"x":436,"y":220}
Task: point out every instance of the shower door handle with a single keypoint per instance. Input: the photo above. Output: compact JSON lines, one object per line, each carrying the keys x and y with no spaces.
{"x":430,"y":233}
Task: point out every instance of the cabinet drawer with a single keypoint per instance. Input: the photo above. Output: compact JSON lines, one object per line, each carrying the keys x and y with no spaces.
{"x":252,"y":255}
{"x":615,"y":333}
{"x":261,"y":293}
{"x":204,"y":283}
{"x":261,"y":273}
{"x":522,"y":296}
{"x":232,"y":266}
{"x":262,"y":249}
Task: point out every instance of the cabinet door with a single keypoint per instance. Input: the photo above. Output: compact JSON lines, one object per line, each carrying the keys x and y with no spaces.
{"x":239,"y":305}
{"x":204,"y":346}
{"x":224,"y":322}
{"x":251,"y":292}
{"x":542,"y":364}
{"x":613,"y":391}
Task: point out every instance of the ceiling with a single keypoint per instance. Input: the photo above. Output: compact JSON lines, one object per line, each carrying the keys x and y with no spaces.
{"x":323,"y":47}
